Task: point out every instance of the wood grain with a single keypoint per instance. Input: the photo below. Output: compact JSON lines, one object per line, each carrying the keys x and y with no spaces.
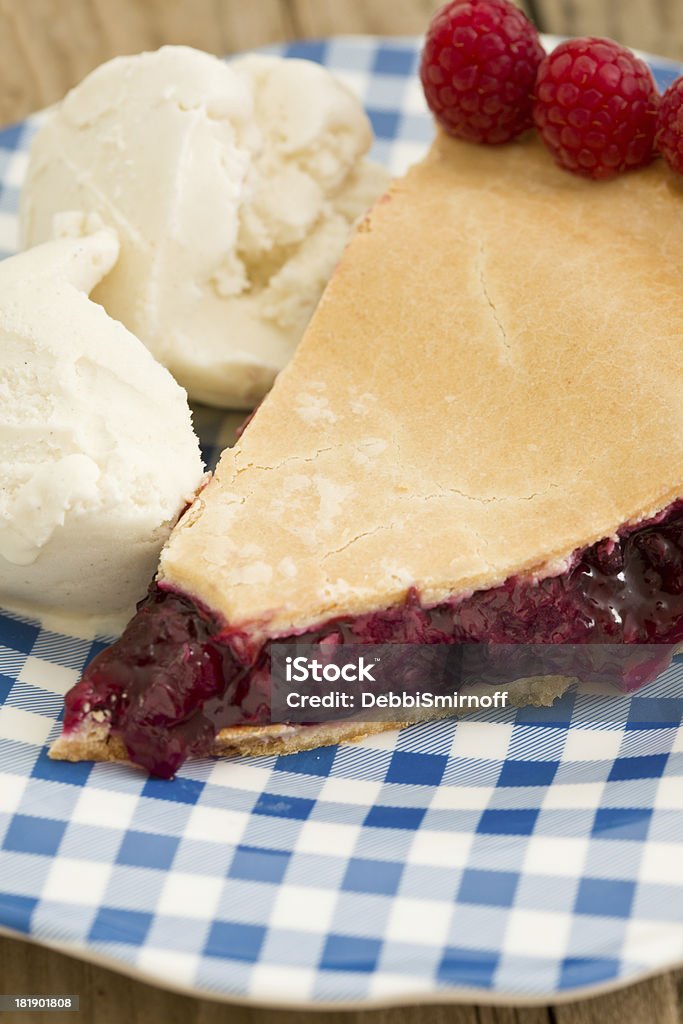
{"x":652,"y":25}
{"x":109,"y":998}
{"x":47,"y":46}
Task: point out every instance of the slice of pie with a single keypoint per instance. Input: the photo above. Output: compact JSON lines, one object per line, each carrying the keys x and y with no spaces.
{"x":480,"y":438}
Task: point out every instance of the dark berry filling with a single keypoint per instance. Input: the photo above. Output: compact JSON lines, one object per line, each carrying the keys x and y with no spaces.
{"x":178,"y":675}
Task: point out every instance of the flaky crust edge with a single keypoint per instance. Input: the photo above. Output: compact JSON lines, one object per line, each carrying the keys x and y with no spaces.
{"x":94,"y":741}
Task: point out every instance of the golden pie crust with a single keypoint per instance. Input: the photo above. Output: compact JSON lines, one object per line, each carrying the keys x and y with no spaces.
{"x":492,"y":379}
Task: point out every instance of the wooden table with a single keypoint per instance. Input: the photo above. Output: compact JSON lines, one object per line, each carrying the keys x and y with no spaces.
{"x":46,"y":46}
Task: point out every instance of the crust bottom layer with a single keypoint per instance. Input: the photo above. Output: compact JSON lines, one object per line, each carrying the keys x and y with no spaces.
{"x":93,"y":740}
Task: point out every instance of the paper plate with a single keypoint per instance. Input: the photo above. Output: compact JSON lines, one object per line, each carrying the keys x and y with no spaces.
{"x":518,"y":857}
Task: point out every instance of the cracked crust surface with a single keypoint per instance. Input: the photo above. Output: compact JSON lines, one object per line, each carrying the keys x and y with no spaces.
{"x":481,"y":391}
{"x":93,"y":741}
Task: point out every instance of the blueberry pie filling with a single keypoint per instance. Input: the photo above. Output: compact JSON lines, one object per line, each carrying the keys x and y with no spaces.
{"x":480,"y":392}
{"x":178,"y":675}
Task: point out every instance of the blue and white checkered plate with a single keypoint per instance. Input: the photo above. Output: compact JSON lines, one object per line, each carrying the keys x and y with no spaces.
{"x":508,"y":858}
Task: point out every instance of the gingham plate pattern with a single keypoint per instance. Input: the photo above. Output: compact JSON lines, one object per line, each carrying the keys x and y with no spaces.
{"x":517,"y":857}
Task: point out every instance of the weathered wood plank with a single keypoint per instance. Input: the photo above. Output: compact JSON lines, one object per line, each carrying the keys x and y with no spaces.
{"x":46,"y":46}
{"x":653,"y":25}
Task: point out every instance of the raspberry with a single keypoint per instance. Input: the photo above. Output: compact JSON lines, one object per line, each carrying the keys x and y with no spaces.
{"x":669,"y":136}
{"x":478,"y":69}
{"x":596,"y":107}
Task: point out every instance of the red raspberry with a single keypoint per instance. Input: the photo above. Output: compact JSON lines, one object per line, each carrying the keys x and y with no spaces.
{"x":596,"y":107}
{"x":670,"y":126}
{"x":478,"y":69}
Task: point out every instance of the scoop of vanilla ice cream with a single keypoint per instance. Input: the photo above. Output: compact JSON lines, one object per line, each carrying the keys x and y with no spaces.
{"x":233,"y":189}
{"x":97,"y":452}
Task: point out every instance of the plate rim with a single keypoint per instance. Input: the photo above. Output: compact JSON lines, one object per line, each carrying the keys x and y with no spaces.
{"x":456,"y":995}
{"x":435,"y":995}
